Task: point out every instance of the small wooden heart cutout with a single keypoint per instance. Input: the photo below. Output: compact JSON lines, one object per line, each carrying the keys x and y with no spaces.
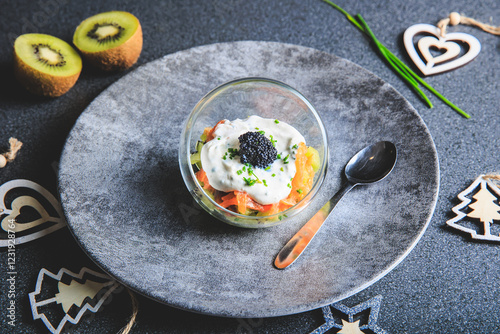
{"x":426,"y":43}
{"x":447,"y":61}
{"x":28,"y":231}
{"x":17,"y":204}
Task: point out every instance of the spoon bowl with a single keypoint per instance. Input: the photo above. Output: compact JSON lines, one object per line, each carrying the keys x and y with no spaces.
{"x":370,"y":165}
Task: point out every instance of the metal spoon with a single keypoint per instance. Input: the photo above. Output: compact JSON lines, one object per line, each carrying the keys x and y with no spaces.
{"x":370,"y":165}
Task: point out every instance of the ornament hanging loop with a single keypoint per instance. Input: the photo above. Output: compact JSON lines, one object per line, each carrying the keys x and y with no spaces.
{"x":10,"y":155}
{"x":495,"y":178}
{"x":455,"y":19}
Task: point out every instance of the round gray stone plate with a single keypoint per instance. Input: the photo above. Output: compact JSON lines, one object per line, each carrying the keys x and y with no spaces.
{"x":126,"y":203}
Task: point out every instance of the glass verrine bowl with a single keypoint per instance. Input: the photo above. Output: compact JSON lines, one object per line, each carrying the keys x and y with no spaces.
{"x":239,"y":99}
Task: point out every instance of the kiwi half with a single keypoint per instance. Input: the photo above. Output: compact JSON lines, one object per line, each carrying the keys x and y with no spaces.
{"x":111,"y":41}
{"x":46,"y":65}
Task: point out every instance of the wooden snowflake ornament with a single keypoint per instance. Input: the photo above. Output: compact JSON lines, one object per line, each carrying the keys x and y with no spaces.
{"x":483,"y":210}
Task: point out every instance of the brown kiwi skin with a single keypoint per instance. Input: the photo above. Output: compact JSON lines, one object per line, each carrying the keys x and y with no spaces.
{"x":118,"y":58}
{"x":42,"y":84}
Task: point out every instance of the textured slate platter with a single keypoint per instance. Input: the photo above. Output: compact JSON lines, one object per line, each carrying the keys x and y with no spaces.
{"x":126,"y":204}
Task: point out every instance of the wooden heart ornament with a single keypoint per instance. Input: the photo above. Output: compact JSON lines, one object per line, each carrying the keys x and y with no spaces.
{"x":18,"y":204}
{"x":14,"y":231}
{"x":450,"y":57}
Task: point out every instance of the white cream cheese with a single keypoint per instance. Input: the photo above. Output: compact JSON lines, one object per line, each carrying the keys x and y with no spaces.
{"x":225,"y":171}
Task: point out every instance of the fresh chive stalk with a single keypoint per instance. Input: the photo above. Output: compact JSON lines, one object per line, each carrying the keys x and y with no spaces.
{"x":397,"y":65}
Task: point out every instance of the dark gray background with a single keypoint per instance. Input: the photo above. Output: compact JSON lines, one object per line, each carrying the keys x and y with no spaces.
{"x":447,"y":284}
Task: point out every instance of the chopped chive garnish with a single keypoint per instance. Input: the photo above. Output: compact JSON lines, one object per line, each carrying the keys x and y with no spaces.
{"x":276,"y":121}
{"x":249,"y":181}
{"x":289,"y":185}
{"x":256,"y":128}
{"x":299,"y":191}
{"x":239,"y":172}
{"x":295,"y":146}
{"x":267,"y":168}
{"x":262,"y":132}
{"x":273,"y":175}
{"x":247,"y":167}
{"x":232,"y":152}
{"x":286,"y":158}
{"x":264,"y":181}
{"x":218,"y":138}
{"x":280,"y":217}
{"x":278,"y":156}
{"x":252,"y":173}
{"x":281,"y":169}
{"x":273,"y":141}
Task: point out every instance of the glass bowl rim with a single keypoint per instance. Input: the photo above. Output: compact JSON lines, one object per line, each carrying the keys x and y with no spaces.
{"x":323,"y":168}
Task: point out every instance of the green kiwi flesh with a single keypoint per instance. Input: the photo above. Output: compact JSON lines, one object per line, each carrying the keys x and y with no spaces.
{"x":48,"y":54}
{"x":45,"y":65}
{"x":105,"y":31}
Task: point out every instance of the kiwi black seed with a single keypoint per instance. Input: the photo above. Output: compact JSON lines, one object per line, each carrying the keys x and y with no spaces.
{"x":111,"y":40}
{"x":46,"y":65}
{"x":101,"y":39}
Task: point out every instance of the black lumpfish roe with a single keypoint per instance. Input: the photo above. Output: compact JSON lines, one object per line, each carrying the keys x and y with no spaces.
{"x":256,"y":150}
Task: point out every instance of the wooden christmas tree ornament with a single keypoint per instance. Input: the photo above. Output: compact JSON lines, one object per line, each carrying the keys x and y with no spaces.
{"x":484,"y":207}
{"x":95,"y":287}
